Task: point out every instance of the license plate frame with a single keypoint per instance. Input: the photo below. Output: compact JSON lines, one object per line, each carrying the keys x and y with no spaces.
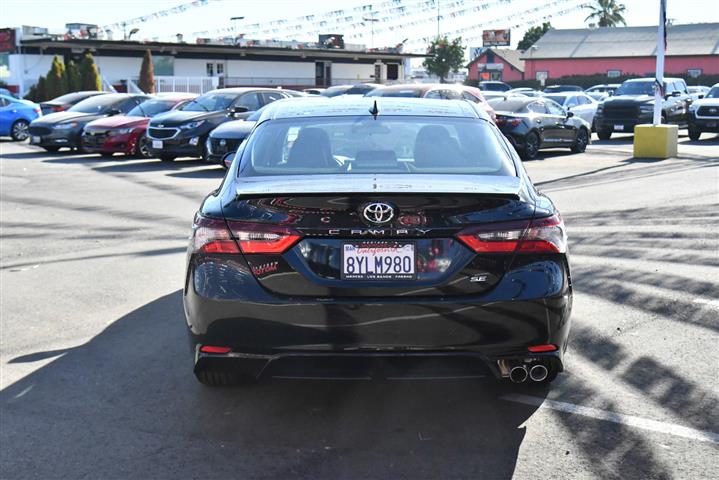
{"x":158,"y":144}
{"x":34,"y":139}
{"x":371,"y":251}
{"x":618,"y":128}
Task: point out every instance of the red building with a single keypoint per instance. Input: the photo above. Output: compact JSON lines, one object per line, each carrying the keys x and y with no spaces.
{"x":497,"y":64}
{"x":692,"y":50}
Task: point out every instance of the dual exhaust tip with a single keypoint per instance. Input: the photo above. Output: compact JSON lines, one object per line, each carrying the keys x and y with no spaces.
{"x":520,"y":373}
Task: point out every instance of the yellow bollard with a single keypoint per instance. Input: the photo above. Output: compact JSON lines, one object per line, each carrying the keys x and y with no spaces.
{"x":655,"y":141}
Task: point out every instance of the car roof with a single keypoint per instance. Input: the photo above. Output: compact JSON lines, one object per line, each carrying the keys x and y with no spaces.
{"x":239,"y":90}
{"x":360,"y":106}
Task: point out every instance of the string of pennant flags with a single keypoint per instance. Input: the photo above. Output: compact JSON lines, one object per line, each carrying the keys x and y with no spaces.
{"x":159,"y":14}
{"x":391,"y":16}
{"x":518,"y":18}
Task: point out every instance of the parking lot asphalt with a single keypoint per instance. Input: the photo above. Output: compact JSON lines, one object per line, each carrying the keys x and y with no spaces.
{"x":95,"y":370}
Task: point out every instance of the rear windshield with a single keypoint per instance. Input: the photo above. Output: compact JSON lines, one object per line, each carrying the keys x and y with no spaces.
{"x":361,"y":145}
{"x":96,"y":104}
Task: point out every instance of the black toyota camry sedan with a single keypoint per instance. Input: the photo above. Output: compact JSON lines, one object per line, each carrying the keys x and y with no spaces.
{"x":378,"y":237}
{"x":532,"y":124}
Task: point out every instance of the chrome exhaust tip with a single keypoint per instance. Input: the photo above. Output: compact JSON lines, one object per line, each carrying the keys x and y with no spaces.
{"x":518,"y":374}
{"x":538,"y":372}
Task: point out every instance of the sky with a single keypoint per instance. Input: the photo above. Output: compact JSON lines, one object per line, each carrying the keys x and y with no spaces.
{"x":419,"y":23}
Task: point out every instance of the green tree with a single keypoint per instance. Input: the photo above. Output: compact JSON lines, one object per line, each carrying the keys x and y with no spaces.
{"x":607,"y":13}
{"x":89,"y":76}
{"x":147,"y":74}
{"x":73,"y":77}
{"x":56,"y":82}
{"x":532,"y":35}
{"x":37,"y":92}
{"x":444,"y":56}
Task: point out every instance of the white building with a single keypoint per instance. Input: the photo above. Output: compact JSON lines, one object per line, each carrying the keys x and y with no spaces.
{"x":202,"y":66}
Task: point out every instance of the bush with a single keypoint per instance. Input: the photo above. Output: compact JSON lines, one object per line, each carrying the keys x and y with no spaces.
{"x":73,"y":77}
{"x":56,"y":81}
{"x":89,"y":76}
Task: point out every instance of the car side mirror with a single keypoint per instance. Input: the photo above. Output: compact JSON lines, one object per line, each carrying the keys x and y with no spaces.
{"x":114,"y":111}
{"x":570,"y":114}
{"x":237,"y":110}
{"x":676,"y":93}
{"x":701,"y":95}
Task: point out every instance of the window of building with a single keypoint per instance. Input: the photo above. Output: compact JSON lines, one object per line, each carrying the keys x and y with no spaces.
{"x":614,"y":73}
{"x":220,"y":68}
{"x":392,"y":71}
{"x":164,"y":65}
{"x":210,"y":69}
{"x":694,"y":72}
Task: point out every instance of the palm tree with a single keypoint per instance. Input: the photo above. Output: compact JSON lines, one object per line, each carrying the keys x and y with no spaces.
{"x":608,"y":13}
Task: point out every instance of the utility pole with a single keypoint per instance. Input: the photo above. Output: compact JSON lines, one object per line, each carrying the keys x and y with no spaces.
{"x":437,"y":19}
{"x":372,"y":21}
{"x":234,"y":21}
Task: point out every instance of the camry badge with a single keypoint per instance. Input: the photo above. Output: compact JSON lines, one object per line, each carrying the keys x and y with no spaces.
{"x":378,"y":213}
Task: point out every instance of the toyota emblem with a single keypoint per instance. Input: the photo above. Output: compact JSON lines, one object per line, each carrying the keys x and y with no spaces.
{"x":712,"y":110}
{"x":378,"y":213}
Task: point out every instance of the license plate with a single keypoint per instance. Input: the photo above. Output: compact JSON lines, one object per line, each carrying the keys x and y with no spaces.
{"x":618,"y":128}
{"x":157,"y":144}
{"x":34,"y":139}
{"x":378,"y":261}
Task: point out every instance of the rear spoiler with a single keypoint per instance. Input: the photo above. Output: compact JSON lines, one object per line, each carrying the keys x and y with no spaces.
{"x":360,"y":183}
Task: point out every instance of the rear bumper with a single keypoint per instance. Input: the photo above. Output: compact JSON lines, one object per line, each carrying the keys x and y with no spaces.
{"x":531,"y":305}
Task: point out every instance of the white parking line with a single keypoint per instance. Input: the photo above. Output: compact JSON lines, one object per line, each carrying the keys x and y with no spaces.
{"x":707,"y":301}
{"x":632,"y":421}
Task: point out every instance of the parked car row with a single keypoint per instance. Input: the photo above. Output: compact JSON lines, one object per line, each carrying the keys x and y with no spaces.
{"x":213,"y":125}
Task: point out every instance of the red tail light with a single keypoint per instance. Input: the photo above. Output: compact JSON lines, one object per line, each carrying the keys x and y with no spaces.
{"x":512,"y":122}
{"x":262,"y":238}
{"x":213,"y":349}
{"x":58,"y":108}
{"x":212,"y":235}
{"x":540,"y":235}
{"x":542,"y":348}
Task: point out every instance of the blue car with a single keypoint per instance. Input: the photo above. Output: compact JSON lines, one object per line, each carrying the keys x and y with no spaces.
{"x":15,"y":117}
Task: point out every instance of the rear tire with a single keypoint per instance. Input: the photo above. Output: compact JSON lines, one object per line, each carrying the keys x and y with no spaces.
{"x":106,"y":154}
{"x":167,"y":158}
{"x":580,"y":144}
{"x":694,"y":133}
{"x":604,"y":134}
{"x":531,"y":146}
{"x":19,"y":130}
{"x":219,"y":378}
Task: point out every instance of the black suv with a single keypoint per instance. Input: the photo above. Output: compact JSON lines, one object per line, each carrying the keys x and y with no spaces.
{"x":633,"y":104}
{"x":183,"y":132}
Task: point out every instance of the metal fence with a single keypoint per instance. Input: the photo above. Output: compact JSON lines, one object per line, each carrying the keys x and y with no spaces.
{"x":197,"y":85}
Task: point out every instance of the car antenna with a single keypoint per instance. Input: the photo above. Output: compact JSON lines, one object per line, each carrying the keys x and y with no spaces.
{"x":374,"y":110}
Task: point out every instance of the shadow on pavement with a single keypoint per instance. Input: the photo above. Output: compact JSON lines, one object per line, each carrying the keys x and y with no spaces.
{"x":126,"y":404}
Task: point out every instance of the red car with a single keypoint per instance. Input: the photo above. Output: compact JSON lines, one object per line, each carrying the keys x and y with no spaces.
{"x":126,"y":133}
